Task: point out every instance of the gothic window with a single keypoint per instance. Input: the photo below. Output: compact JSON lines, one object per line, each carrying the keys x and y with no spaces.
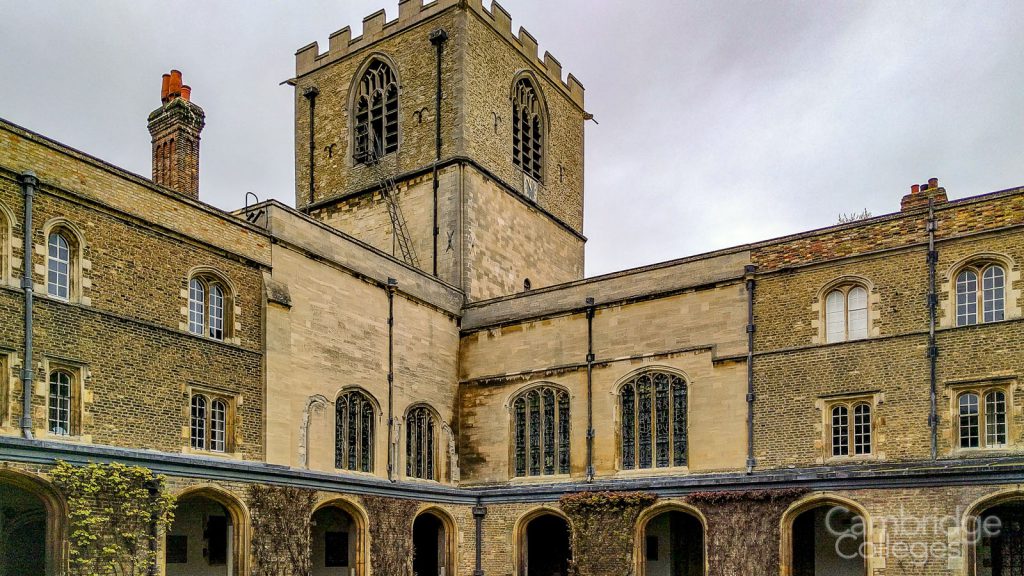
{"x":846,"y":314}
{"x":654,"y":417}
{"x":208,"y":423}
{"x":420,"y":444}
{"x":207,"y":305}
{"x":540,"y":419}
{"x":982,"y":419}
{"x":527,"y":129}
{"x":990,"y":299}
{"x":355,"y":415}
{"x":58,"y":266}
{"x":376,"y":106}
{"x":59,"y":421}
{"x":850,"y":428}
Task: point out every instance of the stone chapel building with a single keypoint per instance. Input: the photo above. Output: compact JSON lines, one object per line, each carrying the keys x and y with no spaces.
{"x":415,"y":344}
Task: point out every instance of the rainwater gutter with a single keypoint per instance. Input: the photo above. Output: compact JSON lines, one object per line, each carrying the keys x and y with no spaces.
{"x":437,"y":38}
{"x":28,"y":183}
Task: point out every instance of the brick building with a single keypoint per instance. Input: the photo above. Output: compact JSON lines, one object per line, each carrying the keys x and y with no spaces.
{"x":414,"y":344}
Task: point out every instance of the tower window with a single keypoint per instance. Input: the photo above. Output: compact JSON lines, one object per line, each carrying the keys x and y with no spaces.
{"x":527,"y":129}
{"x":376,"y":125}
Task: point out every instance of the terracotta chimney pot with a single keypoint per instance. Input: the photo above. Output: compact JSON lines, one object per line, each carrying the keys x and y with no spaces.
{"x":186,"y":93}
{"x":175,"y":87}
{"x":165,"y":86}
{"x":915,"y":189}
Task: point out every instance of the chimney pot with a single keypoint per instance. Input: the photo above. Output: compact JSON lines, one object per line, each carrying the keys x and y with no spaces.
{"x":175,"y":87}
{"x":186,"y":93}
{"x":933,"y":183}
{"x":924,"y":187}
{"x":165,"y":87}
{"x":916,"y":188}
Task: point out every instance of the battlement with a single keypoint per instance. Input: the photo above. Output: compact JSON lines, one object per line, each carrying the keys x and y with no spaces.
{"x":376,"y":27}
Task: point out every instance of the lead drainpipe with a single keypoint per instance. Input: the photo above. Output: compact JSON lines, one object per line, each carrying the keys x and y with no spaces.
{"x":933,"y":348}
{"x":311,"y":93}
{"x":28,"y":183}
{"x":749,"y":271}
{"x":590,"y":389}
{"x":479,"y":512}
{"x":437,"y":38}
{"x":392,"y":284}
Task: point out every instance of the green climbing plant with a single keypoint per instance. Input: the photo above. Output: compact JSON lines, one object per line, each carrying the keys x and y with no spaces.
{"x":115,"y":514}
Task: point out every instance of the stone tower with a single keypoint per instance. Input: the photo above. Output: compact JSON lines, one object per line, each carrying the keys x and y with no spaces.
{"x":482,"y":138}
{"x":175,"y":128}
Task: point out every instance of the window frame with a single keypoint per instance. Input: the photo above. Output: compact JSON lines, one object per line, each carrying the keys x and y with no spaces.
{"x":432,"y":462}
{"x":561,"y":429}
{"x":844,"y":288}
{"x":201,"y":314}
{"x":62,"y":228}
{"x":979,"y":268}
{"x":982,"y":416}
{"x":676,"y":428}
{"x":850,"y":403}
{"x":74,"y":373}
{"x":209,"y":432}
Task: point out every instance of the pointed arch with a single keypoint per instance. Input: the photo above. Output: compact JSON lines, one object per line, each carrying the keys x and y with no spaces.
{"x":55,"y":509}
{"x":653,"y":418}
{"x":238,"y":514}
{"x":356,"y":417}
{"x":540,"y":429}
{"x":7,"y":222}
{"x":819,"y":500}
{"x":360,"y":521}
{"x":520,"y":549}
{"x":374,"y":109}
{"x":423,"y":425}
{"x":448,"y":539}
{"x":649,"y":514}
{"x":529,"y":125}
{"x":64,"y":247}
{"x":973,"y":534}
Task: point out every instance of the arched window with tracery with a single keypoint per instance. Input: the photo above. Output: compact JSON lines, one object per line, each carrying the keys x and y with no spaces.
{"x":421,"y":444}
{"x":989,"y":296}
{"x":540,"y":421}
{"x":654,"y":417}
{"x":354,"y":420}
{"x":376,"y":118}
{"x":527,"y":129}
{"x":207,"y":306}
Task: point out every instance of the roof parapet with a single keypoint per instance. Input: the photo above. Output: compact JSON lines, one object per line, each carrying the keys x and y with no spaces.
{"x":411,"y":12}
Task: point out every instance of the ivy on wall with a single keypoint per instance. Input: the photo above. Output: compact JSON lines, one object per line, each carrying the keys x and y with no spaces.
{"x":115,"y":514}
{"x":281,"y":517}
{"x":390,"y":535}
{"x":603,"y":525}
{"x":743,"y":529}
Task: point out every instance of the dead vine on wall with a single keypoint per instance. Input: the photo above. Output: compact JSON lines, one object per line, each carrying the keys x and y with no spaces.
{"x":390,"y":535}
{"x":281,"y":518}
{"x":603,"y":525}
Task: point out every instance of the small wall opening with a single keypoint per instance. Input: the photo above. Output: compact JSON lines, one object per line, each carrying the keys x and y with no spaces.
{"x":23,"y":540}
{"x":827,"y":541}
{"x":999,"y":540}
{"x":545,"y":547}
{"x":673,"y":545}
{"x":334,"y":540}
{"x":201,"y":542}
{"x":429,"y":546}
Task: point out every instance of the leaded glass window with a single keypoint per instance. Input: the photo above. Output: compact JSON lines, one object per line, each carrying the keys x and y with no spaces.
{"x":353,"y":431}
{"x":541,"y":423}
{"x":420,"y":444}
{"x":527,"y":129}
{"x":654,"y":421}
{"x":376,"y":105}
{"x":59,"y":422}
{"x":58,"y":267}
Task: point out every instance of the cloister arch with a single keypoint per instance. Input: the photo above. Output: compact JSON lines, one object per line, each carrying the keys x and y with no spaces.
{"x":32,"y":525}
{"x":679,"y":547}
{"x":210,"y":534}
{"x":825,"y":535}
{"x":339,"y":538}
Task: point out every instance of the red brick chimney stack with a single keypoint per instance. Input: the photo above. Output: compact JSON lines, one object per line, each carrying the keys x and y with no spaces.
{"x":175,"y":128}
{"x":921,"y":193}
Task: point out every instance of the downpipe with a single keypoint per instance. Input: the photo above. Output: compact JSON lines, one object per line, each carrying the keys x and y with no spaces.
{"x":28,"y":182}
{"x":749,"y":271}
{"x":437,"y":38}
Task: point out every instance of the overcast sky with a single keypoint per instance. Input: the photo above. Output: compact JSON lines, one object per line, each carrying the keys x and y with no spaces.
{"x":720,"y":122}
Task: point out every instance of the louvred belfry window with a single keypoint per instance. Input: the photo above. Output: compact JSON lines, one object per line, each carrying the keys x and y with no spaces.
{"x":527,"y":129}
{"x":353,"y":432}
{"x":540,"y":417}
{"x":654,"y":432}
{"x":376,"y":119}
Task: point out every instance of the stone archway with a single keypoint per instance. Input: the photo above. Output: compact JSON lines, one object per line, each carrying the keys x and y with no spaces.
{"x":544,"y":543}
{"x":825,"y":535}
{"x":31,"y":526}
{"x":337,"y":539}
{"x":209,"y":535}
{"x":994,"y":530}
{"x":670,"y":541}
{"x":432,"y":533}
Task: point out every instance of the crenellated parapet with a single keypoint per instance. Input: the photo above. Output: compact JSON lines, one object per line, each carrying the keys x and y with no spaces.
{"x":376,"y":27}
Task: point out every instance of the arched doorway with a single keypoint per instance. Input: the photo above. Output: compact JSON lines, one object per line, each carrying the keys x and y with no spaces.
{"x":998,"y":537}
{"x":429,"y":546}
{"x":544,"y":548}
{"x":206,"y":537}
{"x":335,"y":545}
{"x":30,"y":523}
{"x":826,"y":539}
{"x":672,"y":545}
